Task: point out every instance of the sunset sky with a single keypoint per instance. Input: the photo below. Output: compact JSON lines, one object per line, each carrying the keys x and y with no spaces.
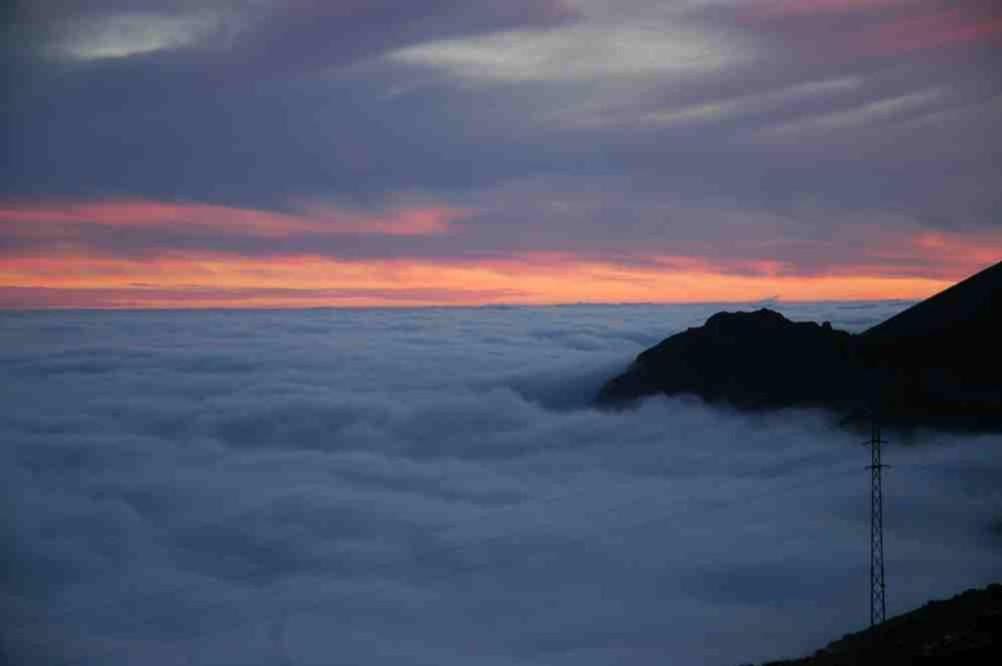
{"x":256,"y":153}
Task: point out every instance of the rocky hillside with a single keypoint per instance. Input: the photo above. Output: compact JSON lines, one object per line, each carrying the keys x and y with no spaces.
{"x":966,"y":629}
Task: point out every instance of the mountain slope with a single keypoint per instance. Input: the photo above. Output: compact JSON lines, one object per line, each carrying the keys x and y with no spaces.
{"x":970,"y":306}
{"x":937,"y":363}
{"x":963,"y":630}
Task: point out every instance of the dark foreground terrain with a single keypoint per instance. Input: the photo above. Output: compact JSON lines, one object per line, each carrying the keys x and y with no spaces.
{"x":963,"y":630}
{"x":935,"y":364}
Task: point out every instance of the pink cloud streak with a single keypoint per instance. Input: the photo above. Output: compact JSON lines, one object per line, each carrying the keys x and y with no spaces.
{"x":953,"y":27}
{"x":880,"y":27}
{"x":775,"y":8}
{"x":34,"y":219}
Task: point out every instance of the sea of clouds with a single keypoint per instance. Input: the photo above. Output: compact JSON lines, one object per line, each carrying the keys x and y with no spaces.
{"x":431,"y":486}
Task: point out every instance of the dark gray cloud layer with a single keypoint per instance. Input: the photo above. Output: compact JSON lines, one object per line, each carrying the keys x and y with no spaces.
{"x":427,"y":486}
{"x":890,"y":112}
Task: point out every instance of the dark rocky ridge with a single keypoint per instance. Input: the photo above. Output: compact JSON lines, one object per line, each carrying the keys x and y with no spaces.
{"x":938,"y":363}
{"x":750,"y":359}
{"x":961,"y":630}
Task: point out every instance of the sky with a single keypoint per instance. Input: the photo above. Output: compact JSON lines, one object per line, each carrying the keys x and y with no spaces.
{"x":345,"y":487}
{"x":255,"y":153}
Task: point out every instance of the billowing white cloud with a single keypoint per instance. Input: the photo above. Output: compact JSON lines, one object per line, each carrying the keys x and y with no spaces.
{"x":429,"y":486}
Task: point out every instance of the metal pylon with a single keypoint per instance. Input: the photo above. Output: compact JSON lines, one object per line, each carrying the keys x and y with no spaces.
{"x":878,"y":607}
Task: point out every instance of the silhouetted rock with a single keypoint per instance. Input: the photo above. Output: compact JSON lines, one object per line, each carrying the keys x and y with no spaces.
{"x":937,"y":363}
{"x":749,"y":359}
{"x":961,"y":630}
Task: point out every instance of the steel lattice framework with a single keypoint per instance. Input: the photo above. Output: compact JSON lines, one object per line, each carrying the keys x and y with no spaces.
{"x":878,"y":607}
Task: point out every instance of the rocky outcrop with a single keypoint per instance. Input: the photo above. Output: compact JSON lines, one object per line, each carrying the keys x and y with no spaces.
{"x":749,"y":359}
{"x":938,"y":363}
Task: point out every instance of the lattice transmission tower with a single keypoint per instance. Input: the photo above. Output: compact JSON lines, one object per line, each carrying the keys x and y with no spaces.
{"x":878,"y":606}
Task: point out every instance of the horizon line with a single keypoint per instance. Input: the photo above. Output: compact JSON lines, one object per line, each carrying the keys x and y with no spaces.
{"x":443,"y":306}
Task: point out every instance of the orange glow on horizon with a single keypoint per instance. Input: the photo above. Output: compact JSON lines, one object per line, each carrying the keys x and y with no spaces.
{"x":56,"y":266}
{"x":213,"y":281}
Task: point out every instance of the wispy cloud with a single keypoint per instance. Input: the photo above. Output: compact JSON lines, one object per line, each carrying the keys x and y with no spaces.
{"x":502,"y":248}
{"x":381,"y":131}
{"x":816,"y":7}
{"x":952,"y":27}
{"x":66,"y":219}
{"x":577,"y":52}
{"x":865,"y":115}
{"x":888,"y":28}
{"x":267,"y":35}
{"x":132,"y":34}
{"x":753,"y":103}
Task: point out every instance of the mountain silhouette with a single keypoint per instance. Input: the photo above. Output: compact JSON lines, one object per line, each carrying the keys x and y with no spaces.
{"x":938,"y":363}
